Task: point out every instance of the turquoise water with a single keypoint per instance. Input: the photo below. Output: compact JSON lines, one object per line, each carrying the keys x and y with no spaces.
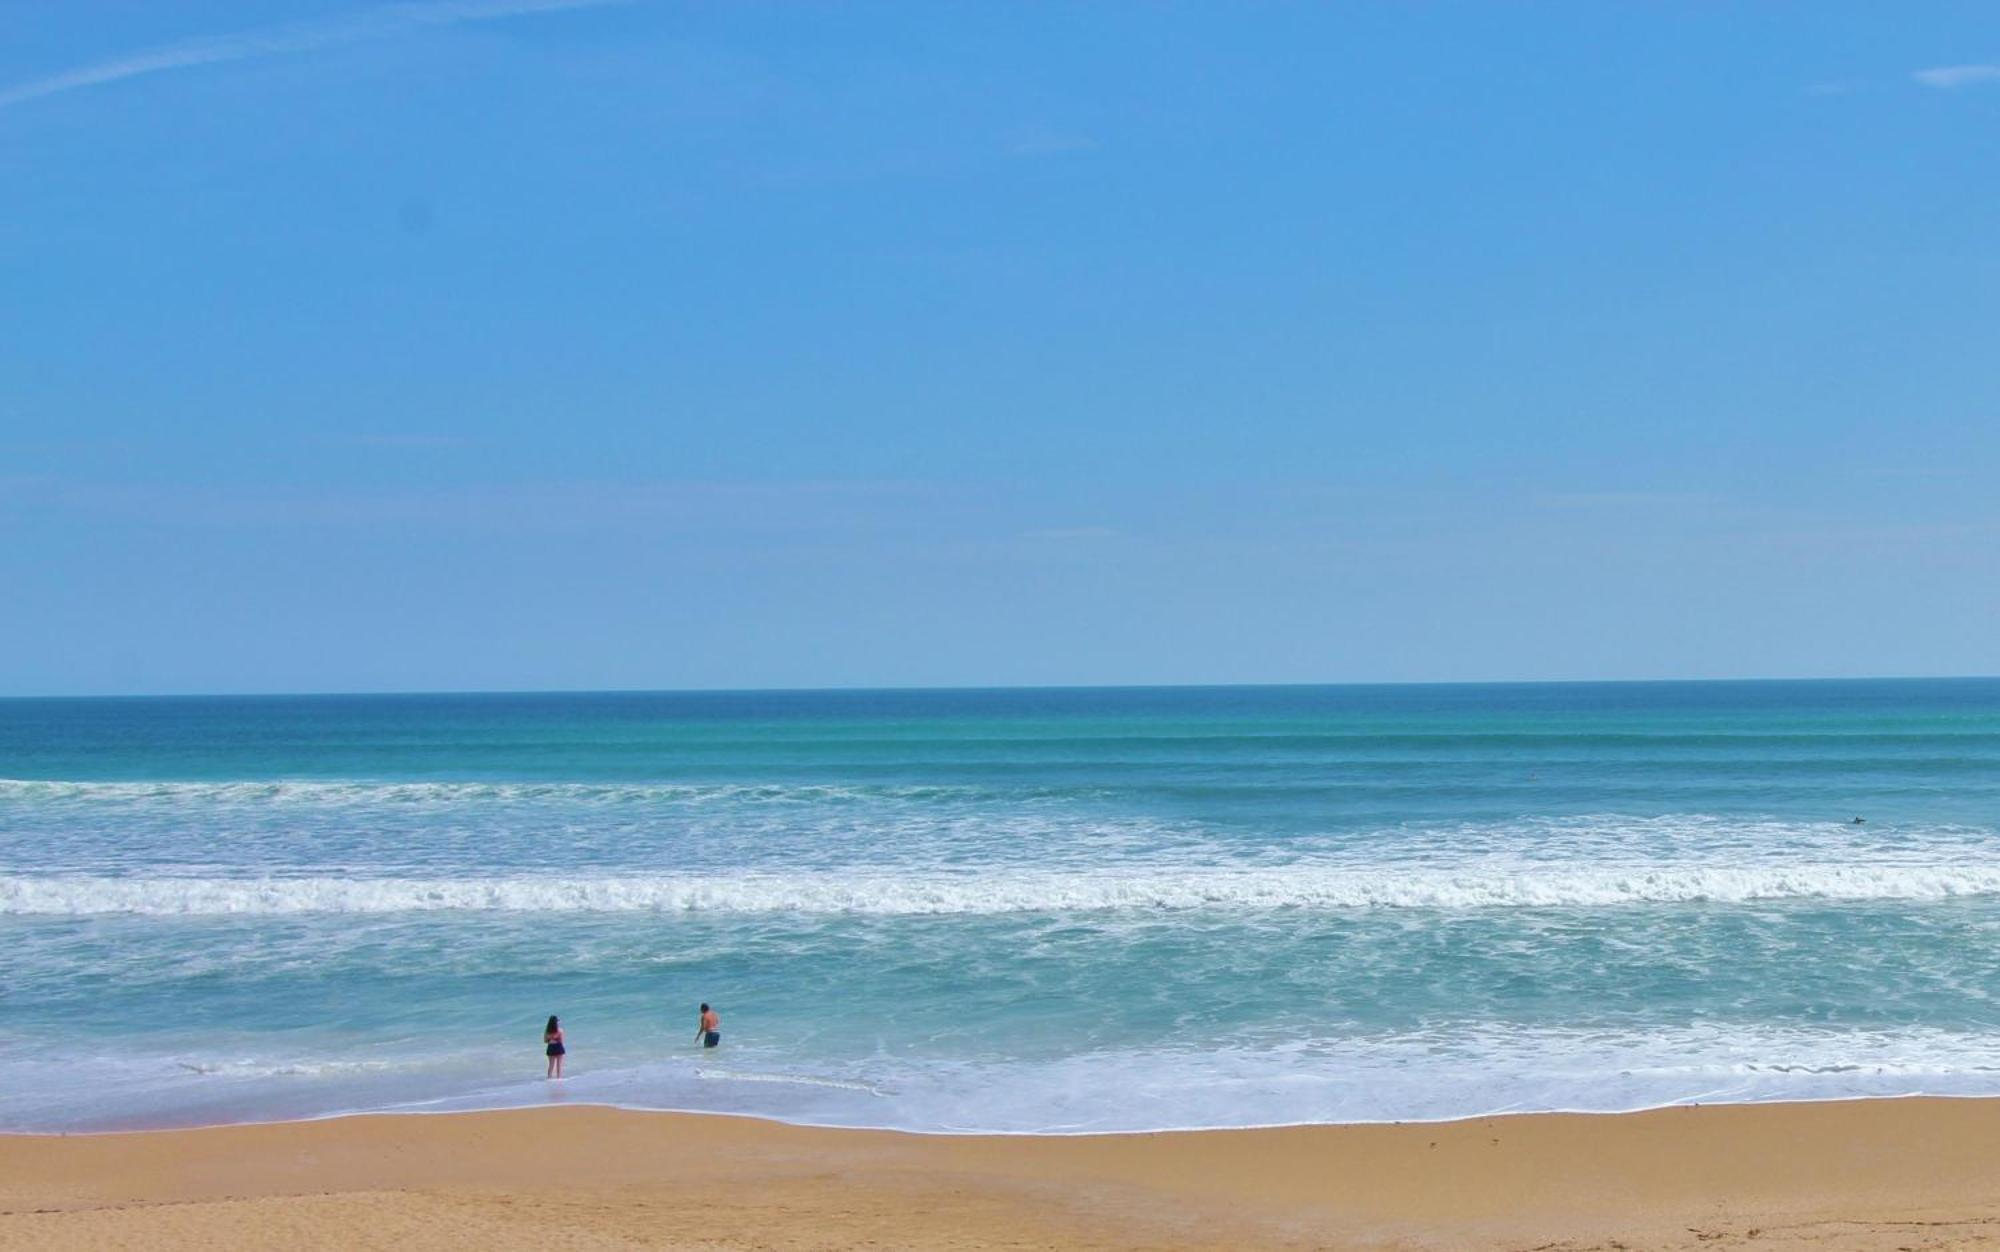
{"x":1040,"y":911}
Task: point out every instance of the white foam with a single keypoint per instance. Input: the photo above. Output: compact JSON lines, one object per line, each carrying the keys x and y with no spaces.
{"x":294,"y":1069}
{"x":1008,"y":890}
{"x":799,"y":1080}
{"x":1432,"y":1074}
{"x":342,"y":793}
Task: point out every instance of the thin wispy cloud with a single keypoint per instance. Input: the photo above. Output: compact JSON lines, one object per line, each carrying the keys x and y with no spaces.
{"x":1952,"y":77}
{"x":361,"y":26}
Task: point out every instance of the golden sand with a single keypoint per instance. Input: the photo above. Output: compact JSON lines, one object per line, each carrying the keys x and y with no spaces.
{"x":1894,"y":1175}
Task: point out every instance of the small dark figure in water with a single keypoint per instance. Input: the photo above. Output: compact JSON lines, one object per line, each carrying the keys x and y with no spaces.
{"x":710,"y":1029}
{"x":1859,"y":821}
{"x":552,"y":1044}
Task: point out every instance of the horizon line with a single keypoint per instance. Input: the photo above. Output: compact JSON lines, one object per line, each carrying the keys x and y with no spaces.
{"x":948,"y":688}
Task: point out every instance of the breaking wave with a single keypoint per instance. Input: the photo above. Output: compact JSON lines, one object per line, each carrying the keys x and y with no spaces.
{"x":999,"y":891}
{"x":344,"y":793}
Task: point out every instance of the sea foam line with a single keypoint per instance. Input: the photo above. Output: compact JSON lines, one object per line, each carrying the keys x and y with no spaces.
{"x":1004,"y":890}
{"x":792,"y":1080}
{"x":346,"y":793}
{"x":1422,"y":1076}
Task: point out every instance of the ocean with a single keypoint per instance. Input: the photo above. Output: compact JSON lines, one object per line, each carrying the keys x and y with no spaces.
{"x":1038,"y":911}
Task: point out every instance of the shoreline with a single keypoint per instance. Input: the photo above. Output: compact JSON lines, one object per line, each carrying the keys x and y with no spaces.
{"x":612,"y":1106}
{"x":1883,"y":1173}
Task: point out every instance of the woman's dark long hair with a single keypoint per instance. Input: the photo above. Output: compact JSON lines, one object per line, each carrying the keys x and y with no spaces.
{"x":549,"y":1029}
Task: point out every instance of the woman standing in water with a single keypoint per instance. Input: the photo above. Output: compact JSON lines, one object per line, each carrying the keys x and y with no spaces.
{"x":552,"y":1039}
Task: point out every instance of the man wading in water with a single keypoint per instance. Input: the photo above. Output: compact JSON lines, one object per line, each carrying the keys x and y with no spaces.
{"x":710,"y":1030}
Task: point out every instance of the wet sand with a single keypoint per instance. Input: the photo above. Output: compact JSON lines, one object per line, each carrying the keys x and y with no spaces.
{"x":1893,"y":1175}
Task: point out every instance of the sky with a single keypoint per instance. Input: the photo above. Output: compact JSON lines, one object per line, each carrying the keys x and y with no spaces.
{"x":523,"y":344}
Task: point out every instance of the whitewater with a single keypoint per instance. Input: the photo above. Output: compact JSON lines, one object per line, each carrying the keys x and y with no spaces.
{"x":1193,"y":887}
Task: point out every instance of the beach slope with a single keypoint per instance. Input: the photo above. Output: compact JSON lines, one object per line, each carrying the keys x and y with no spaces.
{"x":1894,"y":1175}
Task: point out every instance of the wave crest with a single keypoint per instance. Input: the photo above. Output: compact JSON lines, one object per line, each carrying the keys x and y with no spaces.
{"x":345,"y":793}
{"x":999,"y":891}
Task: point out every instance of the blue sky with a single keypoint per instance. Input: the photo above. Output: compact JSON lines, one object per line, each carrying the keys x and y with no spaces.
{"x":477,"y":344}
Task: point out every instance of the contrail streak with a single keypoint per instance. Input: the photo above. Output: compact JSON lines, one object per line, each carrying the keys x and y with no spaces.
{"x":377,"y":23}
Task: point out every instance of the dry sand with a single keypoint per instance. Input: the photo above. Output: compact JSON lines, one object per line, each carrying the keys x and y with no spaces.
{"x":1896,"y":1175}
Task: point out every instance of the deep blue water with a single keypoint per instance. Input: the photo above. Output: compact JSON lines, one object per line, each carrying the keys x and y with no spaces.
{"x":1016,"y":910}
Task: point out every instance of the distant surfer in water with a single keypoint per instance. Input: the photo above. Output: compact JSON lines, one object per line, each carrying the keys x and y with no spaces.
{"x":710,"y":1029}
{"x":552,"y":1044}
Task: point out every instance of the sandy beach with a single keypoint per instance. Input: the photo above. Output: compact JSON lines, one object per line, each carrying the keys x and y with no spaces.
{"x":1897,"y":1175}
